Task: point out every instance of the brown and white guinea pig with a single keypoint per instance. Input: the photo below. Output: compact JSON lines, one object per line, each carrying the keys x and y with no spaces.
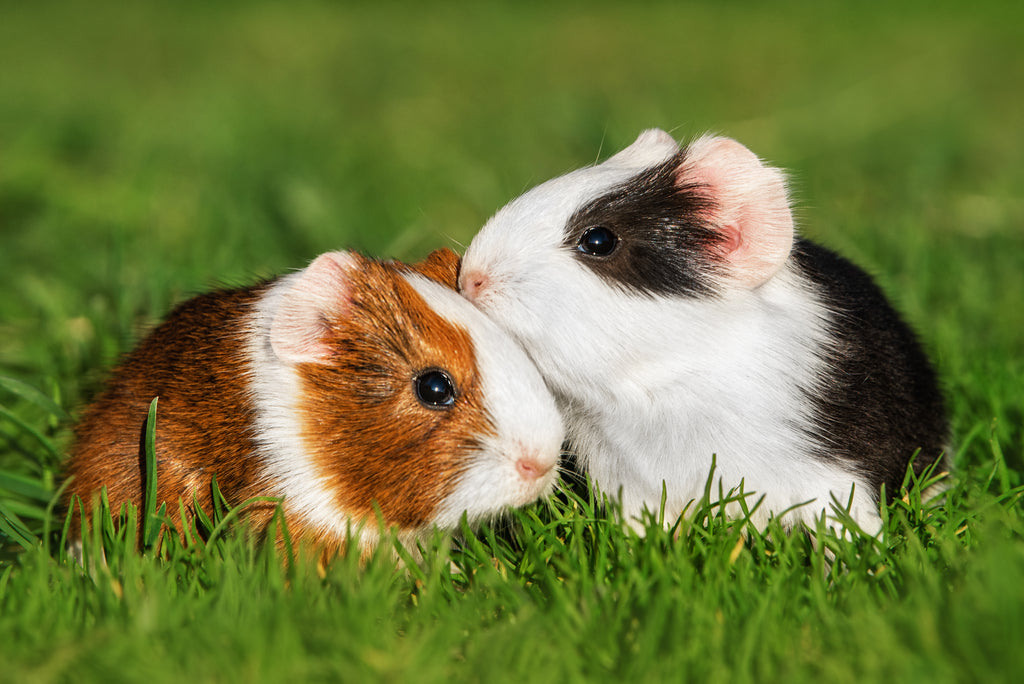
{"x":350,"y":383}
{"x":675,"y":315}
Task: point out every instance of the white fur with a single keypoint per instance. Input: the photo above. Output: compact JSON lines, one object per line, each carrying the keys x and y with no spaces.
{"x":652,"y":387}
{"x":288,"y":467}
{"x":524,"y":414}
{"x":651,"y":147}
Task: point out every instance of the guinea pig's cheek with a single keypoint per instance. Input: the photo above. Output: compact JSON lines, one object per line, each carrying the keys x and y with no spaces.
{"x":520,"y":459}
{"x":511,"y":474}
{"x":368,"y":442}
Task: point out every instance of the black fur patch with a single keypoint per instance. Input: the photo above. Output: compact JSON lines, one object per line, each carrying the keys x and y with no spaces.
{"x":666,"y":246}
{"x":880,"y":400}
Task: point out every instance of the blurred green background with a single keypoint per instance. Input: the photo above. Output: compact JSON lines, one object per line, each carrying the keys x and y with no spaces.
{"x":150,"y":150}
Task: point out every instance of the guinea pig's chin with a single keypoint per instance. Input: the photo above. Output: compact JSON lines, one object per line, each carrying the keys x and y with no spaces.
{"x":523,"y":495}
{"x":539,"y":488}
{"x":495,"y":484}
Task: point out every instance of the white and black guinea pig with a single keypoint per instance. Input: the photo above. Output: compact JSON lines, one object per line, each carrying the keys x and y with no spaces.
{"x":351,"y":383}
{"x":675,"y":316}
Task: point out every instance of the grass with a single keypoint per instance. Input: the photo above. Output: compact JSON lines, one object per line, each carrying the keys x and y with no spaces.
{"x":150,"y":151}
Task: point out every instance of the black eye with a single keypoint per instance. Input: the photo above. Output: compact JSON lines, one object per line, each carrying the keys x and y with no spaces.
{"x":597,"y":241}
{"x":434,"y":389}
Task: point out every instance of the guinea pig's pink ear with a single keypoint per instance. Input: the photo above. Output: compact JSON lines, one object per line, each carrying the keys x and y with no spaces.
{"x":751,"y":208}
{"x":651,"y":147}
{"x":318,"y":296}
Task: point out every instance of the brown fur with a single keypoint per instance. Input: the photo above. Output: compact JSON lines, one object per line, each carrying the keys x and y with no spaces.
{"x":441,"y":265}
{"x":191,"y":362}
{"x":370,"y":436}
{"x":353,"y":405}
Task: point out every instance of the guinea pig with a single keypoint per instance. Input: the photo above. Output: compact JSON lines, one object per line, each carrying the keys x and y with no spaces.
{"x":351,"y":384}
{"x":676,"y":317}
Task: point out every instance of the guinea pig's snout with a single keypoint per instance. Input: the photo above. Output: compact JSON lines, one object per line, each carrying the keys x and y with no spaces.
{"x":473,"y":284}
{"x":531,"y":468}
{"x":536,"y":468}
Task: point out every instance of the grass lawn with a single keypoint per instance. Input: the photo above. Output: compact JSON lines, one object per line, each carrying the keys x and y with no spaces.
{"x":152,"y":150}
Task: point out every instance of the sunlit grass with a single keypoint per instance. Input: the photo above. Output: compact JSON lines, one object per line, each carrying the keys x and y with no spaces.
{"x":153,"y":150}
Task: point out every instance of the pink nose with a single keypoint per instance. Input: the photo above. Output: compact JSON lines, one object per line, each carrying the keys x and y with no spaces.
{"x":473,"y":284}
{"x":530,"y":468}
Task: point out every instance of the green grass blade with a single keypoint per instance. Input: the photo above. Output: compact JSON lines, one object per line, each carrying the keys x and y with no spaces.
{"x":23,"y":485}
{"x":31,"y":394}
{"x":1000,"y":461}
{"x":150,"y":522}
{"x":26,"y":510}
{"x":233,"y":513}
{"x":31,"y":431}
{"x":12,"y":527}
{"x":201,"y":518}
{"x":5,"y":578}
{"x":48,"y":519}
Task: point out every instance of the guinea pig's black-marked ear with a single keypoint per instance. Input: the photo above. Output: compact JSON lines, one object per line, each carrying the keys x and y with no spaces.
{"x":652,"y":146}
{"x":318,"y":295}
{"x":751,"y":208}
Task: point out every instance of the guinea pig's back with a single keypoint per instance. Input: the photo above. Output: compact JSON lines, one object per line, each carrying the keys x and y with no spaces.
{"x":194,"y":363}
{"x":880,"y":398}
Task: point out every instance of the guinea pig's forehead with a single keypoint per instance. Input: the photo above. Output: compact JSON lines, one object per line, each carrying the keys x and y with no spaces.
{"x":490,"y":344}
{"x":550,"y":204}
{"x":443,"y":307}
{"x":391,"y":314}
{"x":443,"y":303}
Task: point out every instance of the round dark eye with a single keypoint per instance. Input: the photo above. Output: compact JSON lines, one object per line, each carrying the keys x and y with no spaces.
{"x":597,"y":241}
{"x":434,"y":389}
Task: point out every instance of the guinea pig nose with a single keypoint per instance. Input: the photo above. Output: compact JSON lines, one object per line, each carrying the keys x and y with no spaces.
{"x":474,"y":283}
{"x":529,"y":468}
